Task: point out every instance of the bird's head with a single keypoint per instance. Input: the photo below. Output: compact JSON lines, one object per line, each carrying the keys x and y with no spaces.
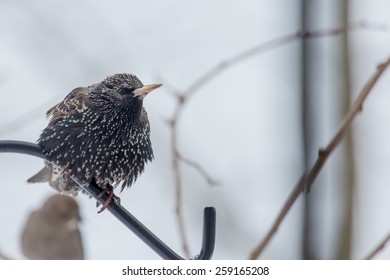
{"x":61,"y":207}
{"x":127,"y":87}
{"x":120,"y":96}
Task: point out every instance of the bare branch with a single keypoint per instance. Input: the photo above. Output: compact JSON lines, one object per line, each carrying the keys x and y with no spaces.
{"x":178,"y":209}
{"x":20,"y":122}
{"x":378,"y":248}
{"x":200,"y":169}
{"x":273,"y":44}
{"x":308,"y":177}
{"x":178,"y":182}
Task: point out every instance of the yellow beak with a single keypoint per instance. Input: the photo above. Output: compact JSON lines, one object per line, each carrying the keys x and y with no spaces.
{"x":146,"y":89}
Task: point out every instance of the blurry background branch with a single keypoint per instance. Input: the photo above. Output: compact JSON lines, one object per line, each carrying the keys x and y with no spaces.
{"x":310,"y":175}
{"x":20,"y":122}
{"x":183,"y":96}
{"x":378,"y":248}
{"x":348,"y":168}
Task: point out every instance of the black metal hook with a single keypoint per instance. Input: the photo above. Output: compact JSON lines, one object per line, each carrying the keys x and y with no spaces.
{"x":209,"y":217}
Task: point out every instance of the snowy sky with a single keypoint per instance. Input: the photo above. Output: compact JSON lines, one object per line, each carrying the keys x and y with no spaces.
{"x":242,"y":127}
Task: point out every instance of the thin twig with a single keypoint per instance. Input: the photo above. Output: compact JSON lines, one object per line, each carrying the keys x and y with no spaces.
{"x":182,"y":98}
{"x":20,"y":122}
{"x":273,"y":44}
{"x":200,"y":169}
{"x":308,"y":177}
{"x":178,"y":183}
{"x":378,"y":248}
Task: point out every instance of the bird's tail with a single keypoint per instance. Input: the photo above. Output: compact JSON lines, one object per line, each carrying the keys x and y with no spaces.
{"x":41,"y":177}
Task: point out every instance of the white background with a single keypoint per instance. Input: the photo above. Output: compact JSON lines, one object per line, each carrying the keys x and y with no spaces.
{"x":243,"y":127}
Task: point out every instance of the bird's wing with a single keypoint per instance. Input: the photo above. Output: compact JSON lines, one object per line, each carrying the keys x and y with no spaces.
{"x":75,"y":100}
{"x":42,"y":176}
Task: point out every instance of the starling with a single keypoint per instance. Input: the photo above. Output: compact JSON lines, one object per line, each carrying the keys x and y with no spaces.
{"x":52,"y":233}
{"x":99,"y":134}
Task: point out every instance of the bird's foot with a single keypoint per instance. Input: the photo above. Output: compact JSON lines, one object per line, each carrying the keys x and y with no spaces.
{"x":66,"y":174}
{"x":111,"y":195}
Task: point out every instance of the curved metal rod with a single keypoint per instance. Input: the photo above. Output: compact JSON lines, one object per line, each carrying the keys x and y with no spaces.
{"x":209,"y":218}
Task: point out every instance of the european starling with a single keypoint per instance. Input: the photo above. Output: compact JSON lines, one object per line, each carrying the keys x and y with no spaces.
{"x":100,"y":134}
{"x":52,"y":233}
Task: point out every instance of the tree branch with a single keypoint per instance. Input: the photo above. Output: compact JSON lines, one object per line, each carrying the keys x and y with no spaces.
{"x":379,"y":248}
{"x":200,"y":169}
{"x":273,"y":44}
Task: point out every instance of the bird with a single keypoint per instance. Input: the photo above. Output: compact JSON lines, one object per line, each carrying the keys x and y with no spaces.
{"x":98,"y":134}
{"x":52,"y":232}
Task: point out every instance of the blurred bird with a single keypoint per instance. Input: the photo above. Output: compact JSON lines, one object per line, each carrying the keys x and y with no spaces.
{"x":99,"y":134}
{"x":52,"y":233}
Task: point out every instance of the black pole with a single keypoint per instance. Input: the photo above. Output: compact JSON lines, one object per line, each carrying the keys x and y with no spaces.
{"x":209,"y":218}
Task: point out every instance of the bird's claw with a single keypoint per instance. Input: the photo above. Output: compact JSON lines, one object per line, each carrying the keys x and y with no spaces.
{"x":111,"y":196}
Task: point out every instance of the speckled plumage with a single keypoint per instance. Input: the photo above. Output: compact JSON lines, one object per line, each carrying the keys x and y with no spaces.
{"x":100,"y":132}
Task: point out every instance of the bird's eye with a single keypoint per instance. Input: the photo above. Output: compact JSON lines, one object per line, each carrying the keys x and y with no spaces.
{"x":125,"y":91}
